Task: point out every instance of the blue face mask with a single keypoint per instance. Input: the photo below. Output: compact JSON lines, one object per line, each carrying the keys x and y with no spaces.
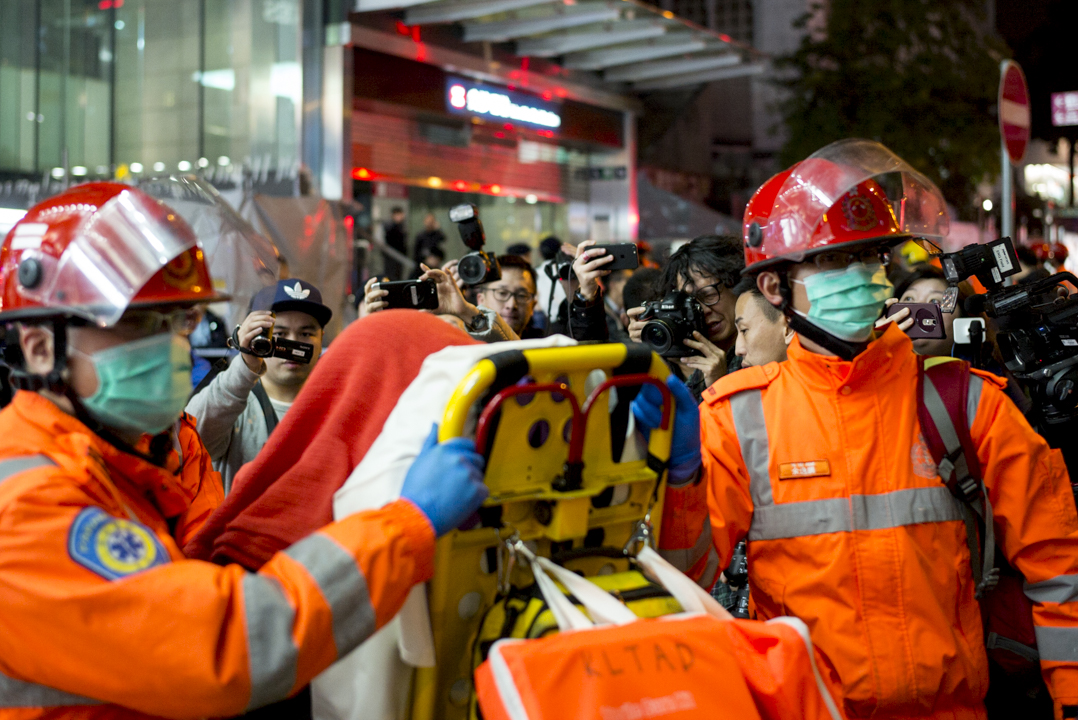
{"x":142,"y":386}
{"x":847,"y":302}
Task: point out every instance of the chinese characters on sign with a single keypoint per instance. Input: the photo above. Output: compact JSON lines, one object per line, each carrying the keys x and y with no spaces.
{"x":1065,"y":109}
{"x":485,"y":101}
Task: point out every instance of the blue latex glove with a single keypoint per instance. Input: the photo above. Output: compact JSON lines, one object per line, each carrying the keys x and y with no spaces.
{"x":685,"y":445}
{"x":446,"y":481}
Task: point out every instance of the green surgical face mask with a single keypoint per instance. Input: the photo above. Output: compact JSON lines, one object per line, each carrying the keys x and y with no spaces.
{"x":847,"y":302}
{"x":142,"y":386}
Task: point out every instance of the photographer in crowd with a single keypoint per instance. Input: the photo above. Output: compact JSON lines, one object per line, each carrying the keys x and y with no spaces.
{"x":512,"y":296}
{"x":707,"y":268}
{"x":483,"y":324}
{"x":822,"y":463}
{"x":504,"y":307}
{"x":239,"y":407}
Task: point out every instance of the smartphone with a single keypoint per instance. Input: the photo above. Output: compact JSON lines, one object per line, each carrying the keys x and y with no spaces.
{"x":410,"y":294}
{"x":927,"y":320}
{"x":625,"y":257}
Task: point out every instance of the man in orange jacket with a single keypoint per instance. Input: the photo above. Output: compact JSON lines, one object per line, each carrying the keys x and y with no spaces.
{"x":820,"y":462}
{"x":101,"y":616}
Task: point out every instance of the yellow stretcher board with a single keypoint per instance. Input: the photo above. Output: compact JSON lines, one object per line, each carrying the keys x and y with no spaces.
{"x":543,"y":418}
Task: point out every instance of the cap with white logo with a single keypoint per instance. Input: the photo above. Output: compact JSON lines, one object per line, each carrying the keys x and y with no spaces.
{"x":294,"y":295}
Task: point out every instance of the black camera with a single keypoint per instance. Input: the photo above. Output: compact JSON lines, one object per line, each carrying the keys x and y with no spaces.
{"x":477,"y":267}
{"x":990,"y":263}
{"x":670,"y":321}
{"x":1038,"y":340}
{"x":1037,"y":328}
{"x":265,"y":345}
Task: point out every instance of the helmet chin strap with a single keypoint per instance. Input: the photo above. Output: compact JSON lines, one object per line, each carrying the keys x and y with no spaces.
{"x":844,"y":349}
{"x":55,"y":383}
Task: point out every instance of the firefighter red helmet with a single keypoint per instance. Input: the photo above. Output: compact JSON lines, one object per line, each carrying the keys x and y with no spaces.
{"x":1059,"y":253}
{"x":97,"y":249}
{"x":836,"y":198}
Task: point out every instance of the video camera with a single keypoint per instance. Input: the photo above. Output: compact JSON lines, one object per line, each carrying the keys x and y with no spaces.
{"x":1038,"y":328}
{"x":477,"y":267}
{"x":265,"y":345}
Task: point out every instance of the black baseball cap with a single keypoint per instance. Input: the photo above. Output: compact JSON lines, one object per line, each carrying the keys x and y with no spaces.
{"x":292,"y":295}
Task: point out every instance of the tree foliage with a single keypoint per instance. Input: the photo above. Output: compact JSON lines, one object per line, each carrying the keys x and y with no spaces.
{"x":920,"y":76}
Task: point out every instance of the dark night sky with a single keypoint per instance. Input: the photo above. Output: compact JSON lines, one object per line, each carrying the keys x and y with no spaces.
{"x":1043,"y":36}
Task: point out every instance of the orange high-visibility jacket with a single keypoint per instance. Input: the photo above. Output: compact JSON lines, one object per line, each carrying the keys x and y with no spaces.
{"x":820,"y":463}
{"x":199,"y":480}
{"x":101,"y":616}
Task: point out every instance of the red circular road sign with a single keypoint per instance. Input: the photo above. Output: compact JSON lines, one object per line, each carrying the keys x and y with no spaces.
{"x":1014,"y":121}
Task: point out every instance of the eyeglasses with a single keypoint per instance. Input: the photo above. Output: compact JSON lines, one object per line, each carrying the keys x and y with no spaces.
{"x":836,"y":259}
{"x":523,"y":297}
{"x":151,"y":322}
{"x":709,"y":295}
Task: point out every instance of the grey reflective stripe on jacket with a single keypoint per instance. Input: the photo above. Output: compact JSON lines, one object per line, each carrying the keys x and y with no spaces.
{"x":15,"y":465}
{"x":1055,"y":644}
{"x":271,"y":649}
{"x":771,"y":521}
{"x":20,"y":694}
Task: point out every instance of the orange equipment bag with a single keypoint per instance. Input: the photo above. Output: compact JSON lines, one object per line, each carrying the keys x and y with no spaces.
{"x":689,"y":665}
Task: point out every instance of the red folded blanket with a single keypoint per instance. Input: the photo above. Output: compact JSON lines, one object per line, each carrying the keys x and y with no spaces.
{"x":286,"y":493}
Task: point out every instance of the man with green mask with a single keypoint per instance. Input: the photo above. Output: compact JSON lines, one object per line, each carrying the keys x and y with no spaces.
{"x":821,"y":462}
{"x":100,"y":611}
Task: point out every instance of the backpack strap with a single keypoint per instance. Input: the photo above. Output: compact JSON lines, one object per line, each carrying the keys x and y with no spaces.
{"x":943,"y":388}
{"x":218,"y":367}
{"x":267,"y":407}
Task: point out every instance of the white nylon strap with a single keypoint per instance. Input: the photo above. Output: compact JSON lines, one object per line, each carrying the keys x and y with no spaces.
{"x":565,"y":613}
{"x":601,"y":605}
{"x":691,"y":596}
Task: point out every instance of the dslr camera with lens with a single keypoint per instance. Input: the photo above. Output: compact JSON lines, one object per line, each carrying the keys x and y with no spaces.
{"x":670,"y":321}
{"x":477,"y":267}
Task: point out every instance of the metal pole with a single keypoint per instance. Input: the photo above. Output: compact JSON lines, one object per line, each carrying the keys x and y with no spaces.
{"x":1007,"y":200}
{"x":1070,"y":171}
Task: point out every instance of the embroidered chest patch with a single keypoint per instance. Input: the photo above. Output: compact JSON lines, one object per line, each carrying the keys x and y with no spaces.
{"x":113,"y":547}
{"x":921,"y":459}
{"x":812,"y":468}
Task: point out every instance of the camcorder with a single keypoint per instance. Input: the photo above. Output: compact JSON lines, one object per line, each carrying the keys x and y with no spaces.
{"x":1037,"y":325}
{"x":265,"y":345}
{"x":670,"y":321}
{"x":477,"y":267}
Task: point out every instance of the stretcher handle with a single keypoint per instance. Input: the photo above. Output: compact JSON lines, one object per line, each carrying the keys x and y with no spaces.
{"x":639,"y":379}
{"x":507,"y":368}
{"x":576,"y":437}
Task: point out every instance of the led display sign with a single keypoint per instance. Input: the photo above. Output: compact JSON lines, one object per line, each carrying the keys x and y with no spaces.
{"x":469,"y":98}
{"x":1064,"y":109}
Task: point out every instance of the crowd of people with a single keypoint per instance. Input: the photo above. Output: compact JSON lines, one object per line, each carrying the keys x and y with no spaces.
{"x":183,"y":552}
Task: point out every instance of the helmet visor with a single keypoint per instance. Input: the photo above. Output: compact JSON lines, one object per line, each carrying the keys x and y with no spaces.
{"x":240,"y":260}
{"x":817,"y":183}
{"x":120,"y":247}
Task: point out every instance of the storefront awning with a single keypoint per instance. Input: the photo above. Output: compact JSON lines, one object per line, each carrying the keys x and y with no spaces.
{"x":627,"y":45}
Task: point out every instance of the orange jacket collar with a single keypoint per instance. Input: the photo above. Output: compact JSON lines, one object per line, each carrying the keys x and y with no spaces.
{"x":159,"y":485}
{"x":883,"y":355}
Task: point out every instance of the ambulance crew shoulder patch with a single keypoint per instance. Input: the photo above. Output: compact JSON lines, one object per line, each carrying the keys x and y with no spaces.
{"x":113,"y":547}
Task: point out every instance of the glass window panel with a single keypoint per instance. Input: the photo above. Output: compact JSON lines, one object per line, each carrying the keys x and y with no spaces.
{"x":18,"y":86}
